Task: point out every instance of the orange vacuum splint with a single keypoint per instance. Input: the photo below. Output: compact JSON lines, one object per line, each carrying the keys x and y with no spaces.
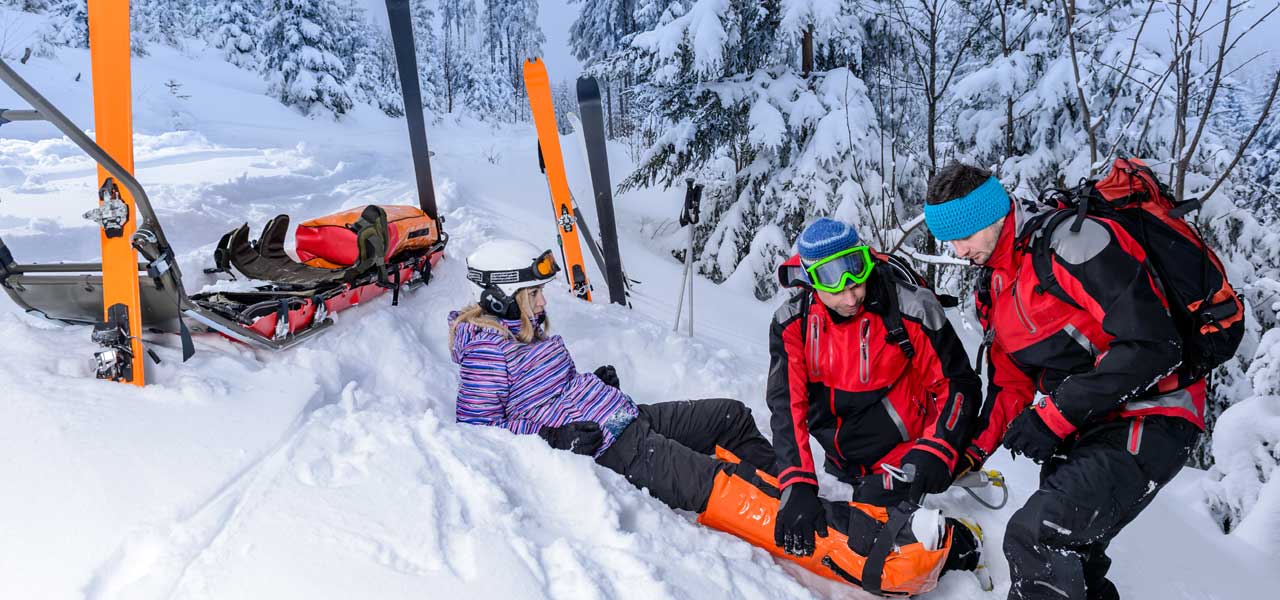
{"x":346,"y":259}
{"x":744,"y":503}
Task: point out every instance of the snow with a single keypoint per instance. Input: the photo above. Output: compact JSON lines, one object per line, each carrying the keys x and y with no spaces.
{"x":335,"y":470}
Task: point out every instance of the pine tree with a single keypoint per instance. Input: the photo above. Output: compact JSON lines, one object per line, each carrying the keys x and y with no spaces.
{"x":512,"y":34}
{"x":299,"y":57}
{"x":775,"y":148}
{"x":235,"y":23}
{"x":456,"y":34}
{"x":376,"y":78}
{"x":489,"y":94}
{"x":427,"y":48}
{"x":31,"y":6}
{"x":68,"y":24}
{"x":159,"y":22}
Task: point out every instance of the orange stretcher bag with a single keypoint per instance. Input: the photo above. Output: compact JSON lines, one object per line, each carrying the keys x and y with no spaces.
{"x":330,"y":241}
{"x":744,"y":503}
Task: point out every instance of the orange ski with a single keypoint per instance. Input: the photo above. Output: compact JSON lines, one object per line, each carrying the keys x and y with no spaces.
{"x":121,"y":330}
{"x":544,"y":119}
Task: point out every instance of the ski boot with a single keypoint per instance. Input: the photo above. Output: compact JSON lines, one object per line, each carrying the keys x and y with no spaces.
{"x":968,"y":551}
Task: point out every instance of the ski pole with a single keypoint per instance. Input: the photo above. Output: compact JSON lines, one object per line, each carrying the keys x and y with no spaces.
{"x":688,"y":218}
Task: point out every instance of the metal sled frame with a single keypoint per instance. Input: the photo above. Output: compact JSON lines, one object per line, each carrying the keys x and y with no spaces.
{"x":72,"y":292}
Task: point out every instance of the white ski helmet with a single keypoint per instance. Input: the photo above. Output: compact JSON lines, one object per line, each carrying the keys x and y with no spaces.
{"x":510,"y":265}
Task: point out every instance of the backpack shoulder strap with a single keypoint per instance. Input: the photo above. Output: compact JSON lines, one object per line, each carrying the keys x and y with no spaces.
{"x":1042,"y":254}
{"x":896,"y":329}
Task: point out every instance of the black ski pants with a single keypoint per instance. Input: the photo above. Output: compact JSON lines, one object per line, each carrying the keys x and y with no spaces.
{"x":1057,"y":542}
{"x":669,"y":448}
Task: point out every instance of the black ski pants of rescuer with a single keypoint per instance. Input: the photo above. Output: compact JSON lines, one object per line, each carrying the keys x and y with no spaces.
{"x":1057,"y":542}
{"x":669,"y":448}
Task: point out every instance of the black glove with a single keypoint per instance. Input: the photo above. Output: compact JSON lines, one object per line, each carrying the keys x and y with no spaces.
{"x":931,"y":474}
{"x":579,"y":437}
{"x":800,"y":516}
{"x":609,"y":376}
{"x":968,"y":462}
{"x":1029,"y":436}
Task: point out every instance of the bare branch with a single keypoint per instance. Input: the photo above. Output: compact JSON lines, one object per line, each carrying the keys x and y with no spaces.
{"x":1069,"y":7}
{"x":955,"y":64}
{"x":1124,"y":75}
{"x":1133,"y":53}
{"x":1252,"y":27}
{"x":1189,"y":150}
{"x":1262,"y":118}
{"x":1244,"y":64}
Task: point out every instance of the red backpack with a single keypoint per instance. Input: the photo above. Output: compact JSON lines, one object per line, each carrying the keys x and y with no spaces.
{"x":1205,"y":308}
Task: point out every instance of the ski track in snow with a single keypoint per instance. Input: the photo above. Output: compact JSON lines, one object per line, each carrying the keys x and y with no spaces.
{"x":335,"y":470}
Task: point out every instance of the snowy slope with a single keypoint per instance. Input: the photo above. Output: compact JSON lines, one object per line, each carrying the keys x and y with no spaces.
{"x":335,"y":470}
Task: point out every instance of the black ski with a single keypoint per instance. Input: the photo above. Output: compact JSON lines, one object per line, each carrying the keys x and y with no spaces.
{"x":598,"y":159}
{"x":407,"y":66}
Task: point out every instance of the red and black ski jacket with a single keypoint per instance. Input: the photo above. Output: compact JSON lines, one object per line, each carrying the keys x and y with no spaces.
{"x":1116,"y":356}
{"x":860,"y":393}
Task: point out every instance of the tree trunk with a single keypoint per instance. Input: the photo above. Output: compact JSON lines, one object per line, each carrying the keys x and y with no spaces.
{"x":806,"y":53}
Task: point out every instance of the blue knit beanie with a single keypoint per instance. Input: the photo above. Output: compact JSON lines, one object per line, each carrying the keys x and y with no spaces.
{"x":825,"y":237}
{"x":968,"y":214}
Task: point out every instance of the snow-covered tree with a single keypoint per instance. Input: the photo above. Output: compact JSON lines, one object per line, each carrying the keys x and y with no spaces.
{"x":375,"y":76}
{"x":1244,"y":487}
{"x":427,"y":48}
{"x":235,"y":23}
{"x":774,"y":147}
{"x":300,"y":59}
{"x":457,"y":28}
{"x":488,"y":92}
{"x":32,"y":6}
{"x":68,"y":24}
{"x":512,"y":34}
{"x":162,"y":22}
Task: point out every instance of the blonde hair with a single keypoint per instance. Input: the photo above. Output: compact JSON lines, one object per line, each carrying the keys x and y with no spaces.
{"x":529,"y":331}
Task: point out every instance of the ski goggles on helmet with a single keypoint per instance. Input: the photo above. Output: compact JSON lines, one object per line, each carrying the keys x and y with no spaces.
{"x":544,"y":267}
{"x":833,"y":273}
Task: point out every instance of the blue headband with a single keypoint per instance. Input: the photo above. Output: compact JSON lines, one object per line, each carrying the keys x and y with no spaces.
{"x":968,"y":214}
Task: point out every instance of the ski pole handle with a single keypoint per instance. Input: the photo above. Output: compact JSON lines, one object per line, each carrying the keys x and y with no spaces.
{"x":692,"y":200}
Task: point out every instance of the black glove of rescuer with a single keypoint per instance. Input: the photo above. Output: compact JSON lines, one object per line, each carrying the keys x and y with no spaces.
{"x":932,"y":475}
{"x":800,"y":516}
{"x":579,"y":437}
{"x":1029,"y":436}
{"x":968,"y":462}
{"x":609,"y":376}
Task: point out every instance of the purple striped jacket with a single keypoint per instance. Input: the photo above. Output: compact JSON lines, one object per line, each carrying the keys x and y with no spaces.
{"x":525,"y":387}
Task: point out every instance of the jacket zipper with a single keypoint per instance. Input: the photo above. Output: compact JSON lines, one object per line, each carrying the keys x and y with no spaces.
{"x":864,"y":365}
{"x":1017,"y":308}
{"x":815,"y":348}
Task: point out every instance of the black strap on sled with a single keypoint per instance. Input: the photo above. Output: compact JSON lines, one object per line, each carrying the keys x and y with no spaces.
{"x":873,"y":568}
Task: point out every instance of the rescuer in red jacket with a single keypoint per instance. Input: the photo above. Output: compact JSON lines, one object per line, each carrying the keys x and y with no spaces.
{"x":864,"y":360}
{"x":1116,"y":415}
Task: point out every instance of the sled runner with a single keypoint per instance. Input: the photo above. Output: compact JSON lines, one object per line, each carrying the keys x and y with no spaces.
{"x":345,"y":259}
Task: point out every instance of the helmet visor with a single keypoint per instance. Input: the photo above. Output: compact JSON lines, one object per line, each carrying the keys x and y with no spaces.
{"x":833,"y":273}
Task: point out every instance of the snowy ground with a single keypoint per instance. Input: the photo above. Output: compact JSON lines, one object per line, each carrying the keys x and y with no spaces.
{"x":335,"y":470}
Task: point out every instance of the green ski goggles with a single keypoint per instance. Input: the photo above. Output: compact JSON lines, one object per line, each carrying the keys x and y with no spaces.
{"x":833,"y":273}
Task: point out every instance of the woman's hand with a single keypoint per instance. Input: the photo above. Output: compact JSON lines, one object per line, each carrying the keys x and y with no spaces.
{"x":579,"y":437}
{"x":609,"y":376}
